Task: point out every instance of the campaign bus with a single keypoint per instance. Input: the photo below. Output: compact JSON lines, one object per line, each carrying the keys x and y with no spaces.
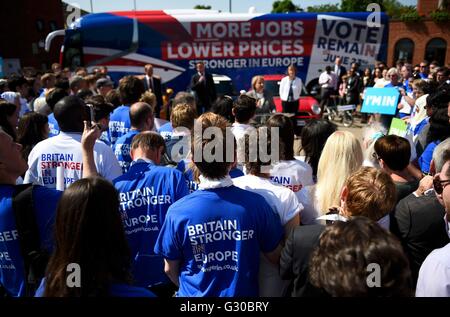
{"x":238,"y":46}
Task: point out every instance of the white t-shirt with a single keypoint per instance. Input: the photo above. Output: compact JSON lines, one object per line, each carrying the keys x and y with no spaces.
{"x":296,"y":175}
{"x":285,"y":203}
{"x":239,"y":130}
{"x":65,"y":149}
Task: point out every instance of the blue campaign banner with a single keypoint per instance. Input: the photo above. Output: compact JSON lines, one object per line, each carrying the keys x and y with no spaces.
{"x":380,"y":100}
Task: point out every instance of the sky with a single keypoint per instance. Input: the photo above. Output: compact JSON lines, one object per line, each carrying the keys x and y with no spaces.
{"x":237,"y":6}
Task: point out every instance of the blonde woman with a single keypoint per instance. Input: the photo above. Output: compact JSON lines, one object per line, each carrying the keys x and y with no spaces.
{"x":341,"y":156}
{"x":264,"y":99}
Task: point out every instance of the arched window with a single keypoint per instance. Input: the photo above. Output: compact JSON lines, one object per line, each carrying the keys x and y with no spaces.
{"x":435,"y":50}
{"x":404,"y":49}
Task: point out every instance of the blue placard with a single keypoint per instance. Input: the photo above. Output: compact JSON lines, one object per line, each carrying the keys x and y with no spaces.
{"x":381,"y":100}
{"x":1,"y":67}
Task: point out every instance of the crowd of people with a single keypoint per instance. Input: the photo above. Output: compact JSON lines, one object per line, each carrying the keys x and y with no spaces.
{"x":210,"y":202}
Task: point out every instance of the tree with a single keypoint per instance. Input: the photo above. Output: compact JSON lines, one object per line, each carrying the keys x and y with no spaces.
{"x":358,"y":5}
{"x":202,"y":7}
{"x":393,"y":8}
{"x":324,"y":8}
{"x":285,"y":6}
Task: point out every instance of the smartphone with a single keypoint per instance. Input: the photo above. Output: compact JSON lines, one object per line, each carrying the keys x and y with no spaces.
{"x":91,"y":115}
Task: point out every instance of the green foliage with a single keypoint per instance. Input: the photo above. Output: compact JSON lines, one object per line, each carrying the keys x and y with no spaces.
{"x":411,"y":17}
{"x":284,"y":6}
{"x":202,"y":7}
{"x":324,"y":8}
{"x":439,"y":16}
{"x":358,"y":5}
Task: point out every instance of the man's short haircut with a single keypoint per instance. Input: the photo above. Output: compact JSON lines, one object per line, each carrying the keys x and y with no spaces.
{"x":139,"y":113}
{"x":339,"y":265}
{"x":223,"y":106}
{"x":148,"y":140}
{"x":244,"y":108}
{"x":62,"y":83}
{"x":113,"y":97}
{"x":102,"y":109}
{"x":212,"y":169}
{"x":394,"y":150}
{"x":75,"y":82}
{"x":130,"y":89}
{"x":55,"y":95}
{"x":438,"y":154}
{"x":85,"y":94}
{"x":70,"y":113}
{"x":371,"y":193}
{"x":47,"y":76}
{"x":183,"y":97}
{"x":150,"y":98}
{"x":183,"y":115}
{"x":16,"y":81}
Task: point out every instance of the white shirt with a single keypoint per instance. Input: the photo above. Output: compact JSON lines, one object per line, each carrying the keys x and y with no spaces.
{"x":239,"y":131}
{"x":297,"y":87}
{"x":284,"y":202}
{"x":150,"y":84}
{"x":65,"y":149}
{"x":434,"y":274}
{"x":328,"y":80}
{"x":296,"y":175}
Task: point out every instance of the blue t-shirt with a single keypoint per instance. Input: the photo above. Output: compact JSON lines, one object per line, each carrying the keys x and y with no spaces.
{"x":119,"y":123}
{"x":426,"y":157}
{"x":183,"y":166}
{"x":166,"y":131}
{"x":115,"y":290}
{"x":122,"y":149}
{"x":407,"y":87}
{"x":217,"y":235}
{"x":104,"y":137}
{"x":53,"y":125}
{"x":11,"y":261}
{"x":389,"y":85}
{"x":146,"y":192}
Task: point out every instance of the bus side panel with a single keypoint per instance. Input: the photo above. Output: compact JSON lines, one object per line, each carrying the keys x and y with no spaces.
{"x":239,"y":48}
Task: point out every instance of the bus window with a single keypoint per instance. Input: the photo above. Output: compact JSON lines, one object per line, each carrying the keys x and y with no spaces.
{"x":72,"y":54}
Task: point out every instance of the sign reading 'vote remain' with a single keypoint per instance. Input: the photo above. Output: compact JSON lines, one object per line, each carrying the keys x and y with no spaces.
{"x":381,"y":100}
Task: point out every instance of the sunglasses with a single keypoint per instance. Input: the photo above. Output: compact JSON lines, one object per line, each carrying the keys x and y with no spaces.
{"x":440,"y":185}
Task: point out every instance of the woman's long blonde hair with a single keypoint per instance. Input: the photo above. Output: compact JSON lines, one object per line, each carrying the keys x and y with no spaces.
{"x":341,"y":156}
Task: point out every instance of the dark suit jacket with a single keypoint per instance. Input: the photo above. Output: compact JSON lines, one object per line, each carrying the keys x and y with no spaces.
{"x":294,"y":261}
{"x":419,"y":224}
{"x":157,"y":90}
{"x":343,"y":71}
{"x":205,"y":92}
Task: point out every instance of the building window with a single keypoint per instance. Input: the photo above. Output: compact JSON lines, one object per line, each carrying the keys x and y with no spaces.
{"x":435,"y":50}
{"x":404,"y":49}
{"x":40,"y":25}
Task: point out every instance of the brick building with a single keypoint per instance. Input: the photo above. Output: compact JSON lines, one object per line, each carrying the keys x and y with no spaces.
{"x":25,"y":25}
{"x":416,"y":41}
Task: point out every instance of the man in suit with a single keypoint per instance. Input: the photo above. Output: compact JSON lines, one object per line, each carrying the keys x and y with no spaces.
{"x":202,"y":84}
{"x":418,"y":218}
{"x":339,"y":70}
{"x":153,"y":83}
